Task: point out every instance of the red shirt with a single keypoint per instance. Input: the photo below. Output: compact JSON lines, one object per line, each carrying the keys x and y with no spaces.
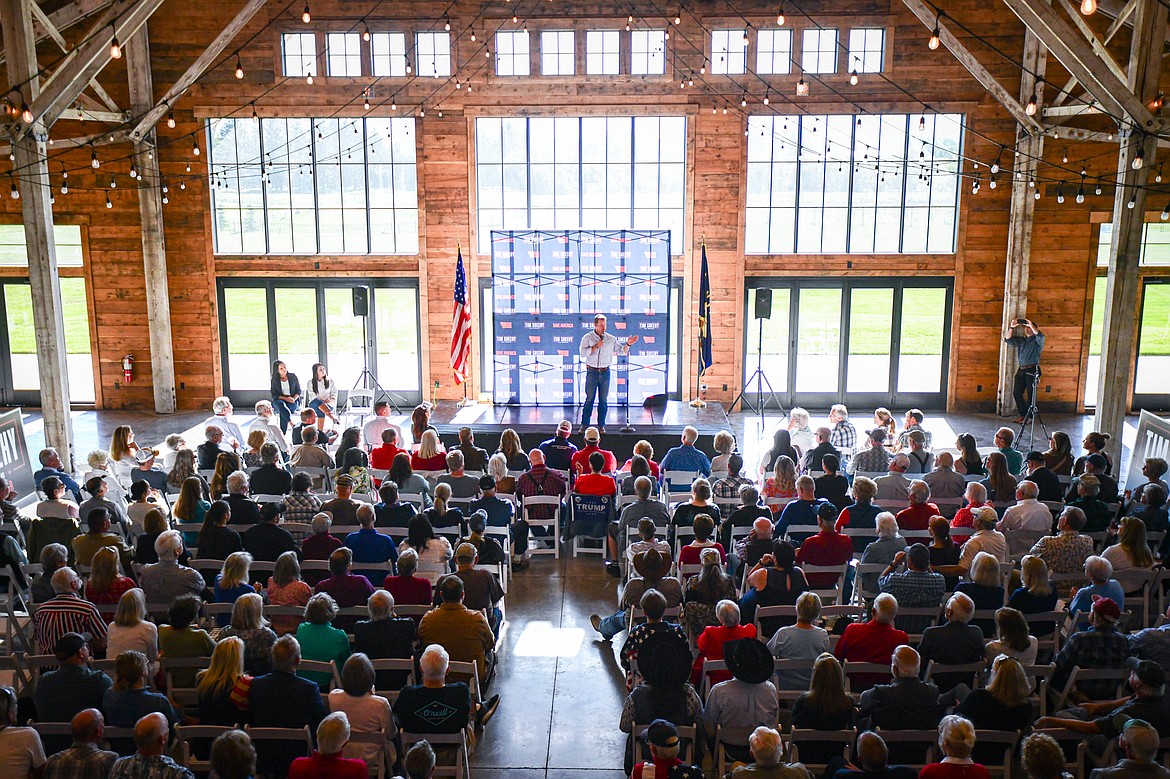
{"x":595,"y":484}
{"x":869,"y":642}
{"x":321,"y":766}
{"x":824,"y":548}
{"x":710,"y":643}
{"x":119,"y":587}
{"x":580,"y":461}
{"x":661,"y":768}
{"x":409,"y":590}
{"x":917,"y":517}
{"x":382,"y":456}
{"x":653,"y":467}
{"x":436,"y":463}
{"x":690,"y":555}
{"x":954,"y":771}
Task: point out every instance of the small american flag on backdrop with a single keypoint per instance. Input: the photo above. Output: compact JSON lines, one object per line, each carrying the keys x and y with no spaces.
{"x":460,"y":324}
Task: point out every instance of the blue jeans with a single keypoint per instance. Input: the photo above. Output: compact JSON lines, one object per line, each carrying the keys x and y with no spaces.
{"x":596,"y":387}
{"x":286,"y":411}
{"x":316,"y":404}
{"x":613,"y":624}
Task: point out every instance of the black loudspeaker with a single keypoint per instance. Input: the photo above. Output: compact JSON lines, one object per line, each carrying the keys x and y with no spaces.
{"x":361,"y":301}
{"x":655,"y":401}
{"x":763,"y":304}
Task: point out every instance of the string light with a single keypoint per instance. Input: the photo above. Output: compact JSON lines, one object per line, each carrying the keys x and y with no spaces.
{"x":1064,"y":157}
{"x":14,"y":191}
{"x":93,"y":159}
{"x":1088,"y":7}
{"x":1030,"y":109}
{"x":239,"y":66}
{"x":1139,"y":159}
{"x":171,"y":121}
{"x":1132,"y":200}
{"x":746,"y":40}
{"x":447,"y":23}
{"x":26,"y":113}
{"x":743,"y":101}
{"x":780,"y":16}
{"x":366,"y":33}
{"x":255,"y":116}
{"x":677,"y":19}
{"x":802,"y":88}
{"x":1081,"y":190}
{"x":195,"y":146}
{"x":108,"y":203}
{"x":1158,"y":176}
{"x":1165,"y":213}
{"x":309,"y":79}
{"x":115,"y":47}
{"x":934,"y":41}
{"x":473,"y":36}
{"x":998,"y":157}
{"x":766,"y":98}
{"x":1097,"y":189}
{"x":1060,"y":192}
{"x":991,"y":183}
{"x":113,"y":183}
{"x":306,"y":17}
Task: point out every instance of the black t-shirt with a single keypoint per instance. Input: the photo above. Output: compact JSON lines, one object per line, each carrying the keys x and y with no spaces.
{"x":396,"y":515}
{"x":154,"y":477}
{"x":433,"y":710}
{"x":987,"y":713}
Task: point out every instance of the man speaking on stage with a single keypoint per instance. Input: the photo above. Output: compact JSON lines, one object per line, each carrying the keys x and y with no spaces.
{"x":597,"y":350}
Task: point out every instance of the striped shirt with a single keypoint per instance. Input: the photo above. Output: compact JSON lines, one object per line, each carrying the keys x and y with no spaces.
{"x":66,"y":614}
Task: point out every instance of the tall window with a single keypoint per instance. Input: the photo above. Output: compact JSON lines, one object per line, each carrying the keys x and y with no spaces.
{"x":773,"y":51}
{"x":434,"y":54}
{"x":388,"y":50}
{"x":1155,"y":249}
{"x":308,"y":186}
{"x":728,"y":51}
{"x":300,"y":54}
{"x":14,"y":249}
{"x":580,"y":172}
{"x":344,"y":52}
{"x":557,"y":54}
{"x":647,"y":52}
{"x":512,"y":57}
{"x":819,"y":54}
{"x":867,"y":50}
{"x":601,"y":52}
{"x":872,"y":184}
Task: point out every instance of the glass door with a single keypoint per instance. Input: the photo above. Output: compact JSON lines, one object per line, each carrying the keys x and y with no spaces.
{"x":818,"y":346}
{"x":1151,"y":386}
{"x":19,"y":376}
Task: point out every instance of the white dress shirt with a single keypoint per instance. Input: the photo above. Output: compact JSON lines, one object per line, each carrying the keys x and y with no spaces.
{"x":275,"y":435}
{"x":603,"y":357}
{"x":230,"y":430}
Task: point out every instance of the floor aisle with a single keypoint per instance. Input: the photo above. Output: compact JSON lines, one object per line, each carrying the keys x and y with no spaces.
{"x":561,"y":690}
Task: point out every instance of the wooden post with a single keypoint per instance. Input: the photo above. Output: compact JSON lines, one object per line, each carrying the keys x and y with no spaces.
{"x":150,"y":207}
{"x":1121,"y":292}
{"x":1019,"y":248}
{"x":37,"y":211}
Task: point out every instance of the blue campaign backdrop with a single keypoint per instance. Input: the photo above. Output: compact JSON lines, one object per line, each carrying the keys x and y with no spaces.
{"x":546,"y":288}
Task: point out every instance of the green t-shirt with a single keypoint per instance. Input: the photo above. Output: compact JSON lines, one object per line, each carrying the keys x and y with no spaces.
{"x":325,"y":643}
{"x":187,"y":642}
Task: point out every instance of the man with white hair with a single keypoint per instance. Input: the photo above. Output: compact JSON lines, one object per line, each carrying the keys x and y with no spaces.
{"x":894,"y":485}
{"x":151,"y":761}
{"x":1139,"y":741}
{"x":244,"y":509}
{"x":1066,"y":551}
{"x":986,"y":539}
{"x":753,"y":546}
{"x":918,"y":514}
{"x":1099,"y":572}
{"x":1029,"y":515}
{"x":843,"y":435}
{"x":538,"y":481}
{"x":166,"y":580}
{"x":944,"y":481}
{"x":873,"y":641}
{"x":265,"y":420}
{"x":462,"y":485}
{"x":907,"y":703}
{"x":768,"y":758}
{"x":686,"y":456}
{"x":67,"y":612}
{"x":52,"y":465}
{"x":812,"y":458}
{"x":436,"y":706}
{"x":332,"y":736}
{"x":953,"y":643}
{"x":208,"y":452}
{"x":222,"y":410}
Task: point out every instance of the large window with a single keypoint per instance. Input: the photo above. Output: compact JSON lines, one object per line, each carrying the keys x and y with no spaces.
{"x":304,"y":321}
{"x":648,"y":52}
{"x":20,"y":381}
{"x":1155,"y":245}
{"x":773,"y":52}
{"x":344,"y":52}
{"x":602,"y":52}
{"x":512,"y":56}
{"x":434,"y":54}
{"x":14,"y":250}
{"x":819,"y":52}
{"x":1151,"y":389}
{"x":868,"y":184}
{"x":580,"y":172}
{"x":314,"y":186}
{"x":300,"y":54}
{"x":557,"y":53}
{"x":388,"y":50}
{"x":728,"y":52}
{"x":867,"y":50}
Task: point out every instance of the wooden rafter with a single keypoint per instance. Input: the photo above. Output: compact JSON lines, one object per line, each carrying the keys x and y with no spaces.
{"x":62,"y":19}
{"x":59,"y":39}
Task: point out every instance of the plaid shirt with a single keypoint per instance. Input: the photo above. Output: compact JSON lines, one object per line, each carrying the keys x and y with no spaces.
{"x":539,"y":480}
{"x":1092,"y":649}
{"x":152,"y":767}
{"x":914,"y":589}
{"x":301,"y":507}
{"x":80,"y":761}
{"x":729,"y":487}
{"x":871,"y":460}
{"x":903,"y":437}
{"x":843,"y":434}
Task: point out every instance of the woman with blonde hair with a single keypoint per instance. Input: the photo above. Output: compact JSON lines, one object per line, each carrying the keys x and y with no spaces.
{"x":799,"y":430}
{"x":1036,"y":595}
{"x":256,"y":439}
{"x":249,"y":625}
{"x":1000,"y":483}
{"x":985,"y":589}
{"x":826,"y":705}
{"x":233,"y":582}
{"x":440,"y":514}
{"x":122,"y":451}
{"x":513,"y":451}
{"x":646,"y":449}
{"x":99,"y":465}
{"x":226,"y":463}
{"x":223,"y":688}
{"x":782,"y":482}
{"x":1005,"y":704}
{"x":1130,"y":556}
{"x":430,"y":455}
{"x":106,"y":583}
{"x":882,"y":418}
{"x":724,"y":444}
{"x":286,"y":588}
{"x":130,"y":630}
{"x":956,"y":738}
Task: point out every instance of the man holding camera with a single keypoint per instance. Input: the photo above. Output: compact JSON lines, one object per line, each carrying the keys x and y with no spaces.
{"x":1028,"y":349}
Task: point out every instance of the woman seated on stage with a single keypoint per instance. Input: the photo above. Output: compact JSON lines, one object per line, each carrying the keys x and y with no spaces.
{"x":321,"y":393}
{"x":430,"y":455}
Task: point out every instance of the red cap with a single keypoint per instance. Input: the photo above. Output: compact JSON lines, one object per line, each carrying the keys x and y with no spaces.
{"x":1106,"y":607}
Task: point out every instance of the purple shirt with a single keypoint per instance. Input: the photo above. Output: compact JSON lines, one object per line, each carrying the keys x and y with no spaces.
{"x":347,"y":589}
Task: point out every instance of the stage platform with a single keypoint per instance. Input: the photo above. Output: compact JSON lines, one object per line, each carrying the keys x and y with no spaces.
{"x":660,"y":426}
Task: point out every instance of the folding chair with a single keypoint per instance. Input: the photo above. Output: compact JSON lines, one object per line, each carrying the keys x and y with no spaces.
{"x":554,"y":522}
{"x":819,"y":743}
{"x":461,"y":769}
{"x":994,"y":749}
{"x":850,"y":668}
{"x":1140,"y":603}
{"x":687,"y":746}
{"x":830,"y":595}
{"x":969,"y":673}
{"x":1074,"y":745}
{"x":590,"y":518}
{"x":1038,"y":623}
{"x":299,"y":741}
{"x":906,"y":746}
{"x":359,"y":403}
{"x":1078,"y":675}
{"x":676,"y":485}
{"x":710,"y":666}
{"x":378,"y":740}
{"x":185,"y":696}
{"x":186,"y":734}
{"x":405,"y":665}
{"x":801,"y":532}
{"x":322,"y":667}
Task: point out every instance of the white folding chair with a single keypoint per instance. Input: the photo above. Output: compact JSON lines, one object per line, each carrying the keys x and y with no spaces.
{"x":553,"y":522}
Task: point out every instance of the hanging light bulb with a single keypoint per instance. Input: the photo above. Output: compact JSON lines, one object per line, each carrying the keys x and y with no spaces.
{"x":515,"y":19}
{"x":1139,"y":159}
{"x":195,"y":147}
{"x":306,"y":17}
{"x":182,"y":185}
{"x":1088,"y":7}
{"x":934,"y":41}
{"x":1097,"y":189}
{"x":1060,"y":192}
{"x":1132,"y":200}
{"x":64,"y":188}
{"x":14,"y":191}
{"x":93,"y":159}
{"x":1036,"y":195}
{"x":678,"y":18}
{"x":995,"y":165}
{"x":780,"y":16}
{"x":447,"y":23}
{"x":1165,"y":213}
{"x":309,"y":79}
{"x":113,"y":183}
{"x":255,"y":116}
{"x":393,"y":105}
{"x":25,"y":113}
{"x":115,"y":47}
{"x":165,"y":200}
{"x":171,"y":121}
{"x":1158,"y":175}
{"x":853,"y":78}
{"x":133,"y":171}
{"x":1030,"y":109}
{"x":1064,"y":157}
{"x":921,"y":123}
{"x":991,"y":183}
{"x":366,"y":104}
{"x":1081,"y":193}
{"x":743,"y":101}
{"x":1032,"y":183}
{"x":767,"y":99}
{"x":239,"y":66}
{"x":802,"y":87}
{"x":366,"y":33}
{"x":108,"y":203}
{"x":746,"y":40}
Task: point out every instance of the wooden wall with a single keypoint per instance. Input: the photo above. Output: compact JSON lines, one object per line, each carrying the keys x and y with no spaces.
{"x":1063,"y":242}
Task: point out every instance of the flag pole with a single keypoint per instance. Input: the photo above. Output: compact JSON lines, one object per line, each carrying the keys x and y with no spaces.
{"x":467,"y":376}
{"x":698,"y":402}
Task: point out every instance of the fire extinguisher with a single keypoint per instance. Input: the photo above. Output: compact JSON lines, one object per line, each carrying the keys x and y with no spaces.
{"x":128,"y":368}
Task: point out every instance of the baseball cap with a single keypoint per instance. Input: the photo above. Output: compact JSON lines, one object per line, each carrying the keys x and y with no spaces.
{"x":592,"y":434}
{"x":565,"y":426}
{"x":878,"y":435}
{"x":1097,"y":460}
{"x":917,"y":436}
{"x":466,"y":551}
{"x":1107,"y":608}
{"x":143,"y":456}
{"x":70,"y":644}
{"x":487,"y":482}
{"x":662,"y":733}
{"x":1035,"y":457}
{"x":1148,"y":672}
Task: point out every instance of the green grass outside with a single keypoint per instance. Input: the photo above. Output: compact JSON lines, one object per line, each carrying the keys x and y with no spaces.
{"x":18,"y":305}
{"x":1155,"y":323}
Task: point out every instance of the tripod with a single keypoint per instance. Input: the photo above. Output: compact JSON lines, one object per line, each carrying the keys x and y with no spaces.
{"x":761,"y":379}
{"x":1031,"y":417}
{"x":366,"y":378}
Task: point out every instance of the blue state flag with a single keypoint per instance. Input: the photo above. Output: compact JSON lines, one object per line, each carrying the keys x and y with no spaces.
{"x":705,"y":358}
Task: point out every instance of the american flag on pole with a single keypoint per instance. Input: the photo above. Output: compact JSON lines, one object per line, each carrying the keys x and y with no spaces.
{"x":460,"y":324}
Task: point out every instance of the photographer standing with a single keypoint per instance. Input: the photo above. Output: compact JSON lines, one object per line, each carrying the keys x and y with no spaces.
{"x":1029,"y":346}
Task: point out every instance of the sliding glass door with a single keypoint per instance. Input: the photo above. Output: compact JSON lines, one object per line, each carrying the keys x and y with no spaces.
{"x":866,"y":342}
{"x":302,"y":322}
{"x":20,"y":381}
{"x":1151,"y":388}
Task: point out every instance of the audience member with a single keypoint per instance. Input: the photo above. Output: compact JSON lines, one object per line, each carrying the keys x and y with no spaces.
{"x":131,"y":631}
{"x":385,"y":635}
{"x":106,"y":584}
{"x":1097,"y":466}
{"x":464,"y":633}
{"x":366,"y":711}
{"x":921,"y":460}
{"x":781,"y":485}
{"x":1012,"y":638}
{"x":281,"y":699}
{"x":664,"y":693}
{"x":74,"y":686}
{"x":300,"y":504}
{"x":428,"y":547}
{"x":99,"y":488}
{"x":66,"y":612}
{"x":703,"y":592}
{"x":826,"y":705}
{"x":1130,"y":556}
{"x":233,"y":581}
{"x":956,"y":642}
{"x":166,"y":580}
{"x":883,"y":551}
{"x":685,"y":457}
{"x":873,"y":459}
{"x":828,"y":548}
{"x":944,"y":481}
{"x":223,"y":689}
{"x":1047,"y":483}
{"x":745,"y":702}
{"x":802,"y":641}
{"x":1005,"y":703}
{"x":1152,"y":644}
{"x":803,"y":511}
{"x":1028,"y":515}
{"x":653,"y":605}
{"x":435,"y":706}
{"x":319,"y":640}
{"x":407,"y":588}
{"x":873,"y":641}
{"x":652,"y":568}
{"x":580,"y":460}
{"x":711,"y":641}
{"x":774,"y":581}
{"x":268,"y":540}
{"x":956,"y":738}
{"x":180,"y":638}
{"x":151,"y":735}
{"x":441,"y":514}
{"x":871,"y":760}
{"x":1100,"y":646}
{"x":704,"y":528}
{"x":52,"y":466}
{"x":894,"y":485}
{"x":1139,"y":742}
{"x":862,"y":512}
{"x":481,"y":589}
{"x":907,"y":703}
{"x":1000,"y":480}
{"x":832,"y":486}
{"x":1097,"y":513}
{"x":249,"y":625}
{"x":370,"y":546}
{"x":1058,"y":458}
{"x":985,"y":589}
{"x":758,"y":542}
{"x":270,"y":478}
{"x":85,"y":758}
{"x":487,"y":548}
{"x":56,"y":521}
{"x":916,"y":587}
{"x":558,"y":451}
{"x":812,"y":458}
{"x":233,"y":756}
{"x":129,"y":700}
{"x":286,"y":588}
{"x":1101,"y":584}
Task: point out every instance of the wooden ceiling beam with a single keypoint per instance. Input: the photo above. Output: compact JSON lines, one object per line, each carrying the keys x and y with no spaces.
{"x":59,"y":39}
{"x":62,"y":19}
